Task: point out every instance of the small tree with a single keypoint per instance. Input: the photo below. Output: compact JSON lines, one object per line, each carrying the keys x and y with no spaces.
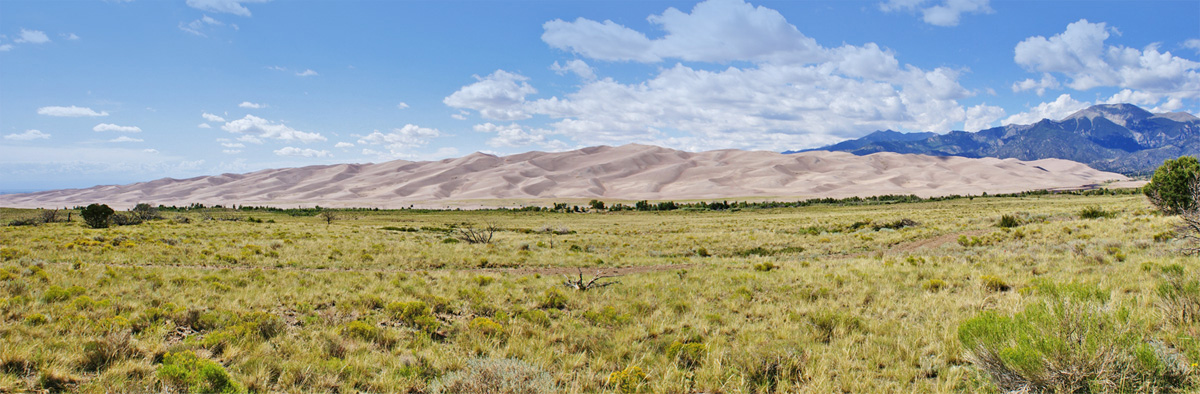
{"x":477,"y":235}
{"x":1189,"y":229}
{"x":96,"y":215}
{"x":597,"y":205}
{"x":144,"y":211}
{"x":1170,"y":188}
{"x":328,"y":217}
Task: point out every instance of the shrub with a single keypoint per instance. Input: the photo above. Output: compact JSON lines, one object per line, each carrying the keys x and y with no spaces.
{"x":934,"y":285}
{"x":1009,"y":221}
{"x":994,"y":283}
{"x":765,"y":266}
{"x":96,"y":215}
{"x":415,"y":314}
{"x":1170,"y":187}
{"x":486,"y":326}
{"x":554,"y":299}
{"x":628,"y":381}
{"x":368,"y":332}
{"x":122,"y":219}
{"x":187,"y":372}
{"x":7,"y":254}
{"x":493,"y":376}
{"x":1069,"y":341}
{"x":143,"y":211}
{"x":36,"y":319}
{"x":1094,"y":212}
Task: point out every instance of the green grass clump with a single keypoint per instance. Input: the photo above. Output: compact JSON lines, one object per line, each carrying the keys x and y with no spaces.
{"x":628,"y":381}
{"x":1095,"y":212}
{"x":1009,"y":221}
{"x":1069,"y":340}
{"x":994,"y":283}
{"x":186,"y":372}
{"x":765,"y":266}
{"x":934,"y":285}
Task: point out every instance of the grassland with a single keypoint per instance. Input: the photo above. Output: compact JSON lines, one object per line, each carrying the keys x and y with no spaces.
{"x":817,"y":299}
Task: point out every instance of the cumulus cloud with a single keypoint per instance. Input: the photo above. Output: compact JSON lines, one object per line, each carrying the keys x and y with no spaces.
{"x":255,"y":128}
{"x":402,"y":105}
{"x":204,"y":126}
{"x":398,"y":140}
{"x":982,"y":116}
{"x":793,"y":94}
{"x":125,"y":138}
{"x":293,"y":151}
{"x":516,"y":136}
{"x":5,"y":47}
{"x":69,"y":112}
{"x":120,"y":129}
{"x":212,"y":118}
{"x":231,"y":151}
{"x":1080,"y":54}
{"x":499,"y":96}
{"x":714,"y":31}
{"x":1193,"y":44}
{"x":28,"y":135}
{"x":225,"y":6}
{"x":1060,"y":108}
{"x":1047,"y":82}
{"x":307,"y":73}
{"x":31,"y":37}
{"x":944,"y":13}
{"x":577,"y":67}
{"x":247,"y":104}
{"x":343,"y":145}
{"x":233,"y":145}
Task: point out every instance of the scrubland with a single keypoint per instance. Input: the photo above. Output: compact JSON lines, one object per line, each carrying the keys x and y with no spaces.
{"x":866,"y":299}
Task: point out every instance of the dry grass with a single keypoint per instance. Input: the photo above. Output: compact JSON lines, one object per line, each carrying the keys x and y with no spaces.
{"x":304,"y":305}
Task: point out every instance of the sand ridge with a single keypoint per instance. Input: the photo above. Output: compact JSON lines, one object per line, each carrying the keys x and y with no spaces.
{"x":628,"y":172}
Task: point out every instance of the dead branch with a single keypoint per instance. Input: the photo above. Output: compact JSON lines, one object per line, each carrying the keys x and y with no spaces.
{"x":477,"y":235}
{"x":582,"y":285}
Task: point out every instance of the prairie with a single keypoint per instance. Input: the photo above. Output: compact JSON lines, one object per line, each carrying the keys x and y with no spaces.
{"x":816,"y":299}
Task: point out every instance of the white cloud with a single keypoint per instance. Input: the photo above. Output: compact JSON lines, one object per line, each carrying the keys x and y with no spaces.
{"x":250,"y":139}
{"x":945,"y":13}
{"x":231,"y":151}
{"x":247,"y":104}
{"x":1079,"y":53}
{"x":461,"y":115}
{"x":120,"y":129}
{"x":204,"y":126}
{"x":151,"y":151}
{"x":125,"y":138}
{"x":256,"y":127}
{"x":515,"y":136}
{"x":343,"y":145}
{"x":982,"y":116}
{"x":69,"y":36}
{"x":1060,"y":108}
{"x":277,"y":68}
{"x":402,"y":105}
{"x":1193,"y":44}
{"x":198,"y":26}
{"x":209,"y":20}
{"x":407,"y":137}
{"x":715,"y":31}
{"x":307,"y":73}
{"x":69,"y":112}
{"x":232,"y":145}
{"x":212,"y":118}
{"x":499,"y":96}
{"x":293,"y":151}
{"x":5,"y":47}
{"x":225,"y":6}
{"x":1047,"y":82}
{"x":28,"y":135}
{"x":577,"y":67}
{"x":32,"y":37}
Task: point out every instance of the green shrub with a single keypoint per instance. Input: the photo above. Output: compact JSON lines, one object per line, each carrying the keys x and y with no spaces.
{"x":934,"y":285}
{"x":1009,"y":221}
{"x":36,"y":319}
{"x":629,"y":381}
{"x":187,"y":372}
{"x":1170,"y":189}
{"x":1069,"y":341}
{"x":765,"y":266}
{"x":1095,"y":212}
{"x":368,"y":332}
{"x":415,"y":314}
{"x":554,"y":298}
{"x":58,"y":294}
{"x":536,"y":317}
{"x":96,"y":215}
{"x":7,"y":254}
{"x":486,"y":326}
{"x":493,"y":376}
{"x":687,"y":355}
{"x":994,"y":283}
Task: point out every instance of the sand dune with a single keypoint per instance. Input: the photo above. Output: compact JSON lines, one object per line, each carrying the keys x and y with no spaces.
{"x":629,"y":172}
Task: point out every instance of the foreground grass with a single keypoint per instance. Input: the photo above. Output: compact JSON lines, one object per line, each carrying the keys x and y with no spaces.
{"x":818,"y":299}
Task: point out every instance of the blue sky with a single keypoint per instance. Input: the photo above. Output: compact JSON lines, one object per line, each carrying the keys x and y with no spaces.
{"x":104,"y":92}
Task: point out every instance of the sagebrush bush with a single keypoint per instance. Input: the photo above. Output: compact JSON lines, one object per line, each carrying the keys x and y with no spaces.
{"x":1095,"y":212}
{"x":1009,"y":221}
{"x":495,"y":376}
{"x":1069,"y":341}
{"x":628,"y":381}
{"x":186,"y":372}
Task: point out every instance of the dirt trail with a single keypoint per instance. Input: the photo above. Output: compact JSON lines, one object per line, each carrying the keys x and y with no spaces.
{"x":935,"y":241}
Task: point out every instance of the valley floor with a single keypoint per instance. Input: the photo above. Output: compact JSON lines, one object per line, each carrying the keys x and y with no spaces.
{"x":818,"y":299}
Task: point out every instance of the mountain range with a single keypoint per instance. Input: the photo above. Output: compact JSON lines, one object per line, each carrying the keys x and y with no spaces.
{"x":628,"y":172}
{"x":1110,"y":137}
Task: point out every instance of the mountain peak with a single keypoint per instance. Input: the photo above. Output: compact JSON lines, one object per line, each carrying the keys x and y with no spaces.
{"x":1117,"y":113}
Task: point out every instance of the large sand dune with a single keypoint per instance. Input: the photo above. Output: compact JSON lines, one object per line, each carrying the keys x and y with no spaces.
{"x":629,"y":172}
